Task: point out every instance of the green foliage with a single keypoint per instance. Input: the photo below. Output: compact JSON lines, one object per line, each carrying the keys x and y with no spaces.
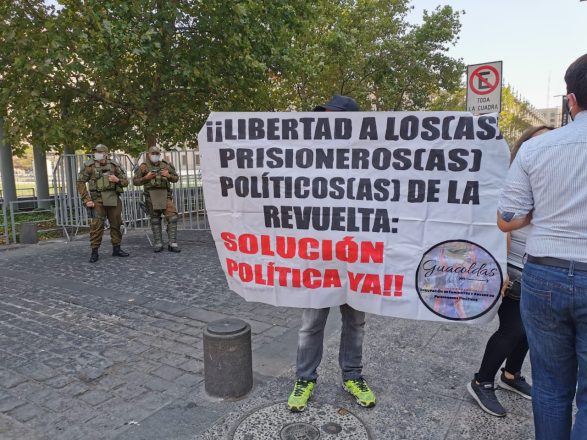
{"x":135,"y":72}
{"x":367,"y":49}
{"x":516,"y":114}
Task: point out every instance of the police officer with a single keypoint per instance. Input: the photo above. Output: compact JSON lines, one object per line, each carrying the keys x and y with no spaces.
{"x":106,"y":181}
{"x":157,"y":175}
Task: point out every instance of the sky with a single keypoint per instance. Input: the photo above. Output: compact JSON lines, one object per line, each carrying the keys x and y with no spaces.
{"x":535,"y":39}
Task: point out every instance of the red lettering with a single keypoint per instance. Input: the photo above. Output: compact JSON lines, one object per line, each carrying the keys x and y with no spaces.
{"x":285,"y":246}
{"x":355,"y":279}
{"x":248,"y":244}
{"x":331,"y":278}
{"x":245,"y":272}
{"x":371,"y":284}
{"x":305,"y":244}
{"x":310,"y":283}
{"x":372,"y":252}
{"x":229,"y":242}
{"x":266,"y":246}
{"x":387,"y":280}
{"x":231,"y":266}
{"x":399,"y":283}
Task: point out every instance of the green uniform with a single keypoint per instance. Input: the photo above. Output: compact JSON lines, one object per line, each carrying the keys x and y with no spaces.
{"x":93,"y":185}
{"x":159,"y":183}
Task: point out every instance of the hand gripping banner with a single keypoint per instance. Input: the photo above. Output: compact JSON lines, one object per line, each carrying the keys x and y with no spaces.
{"x":393,"y":213}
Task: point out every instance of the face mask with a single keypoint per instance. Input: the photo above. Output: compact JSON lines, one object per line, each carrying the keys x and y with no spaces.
{"x":99,"y":156}
{"x":155,"y":158}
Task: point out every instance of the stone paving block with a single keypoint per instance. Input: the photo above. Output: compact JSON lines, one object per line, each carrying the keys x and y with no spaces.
{"x":26,"y":412}
{"x":60,"y":405}
{"x":96,"y":397}
{"x":153,"y":401}
{"x":111,"y":381}
{"x":81,"y":412}
{"x":89,"y":374}
{"x":275,"y":331}
{"x":129,"y":391}
{"x":189,"y":380}
{"x":136,"y":347}
{"x":193,"y":331}
{"x":202,"y":315}
{"x":166,"y":306}
{"x":192,"y":366}
{"x":9,"y":403}
{"x":75,"y":388}
{"x":10,"y":429}
{"x":258,"y":326}
{"x":166,"y":372}
{"x":9,"y":379}
{"x":174,"y":360}
{"x":189,"y":340}
{"x":59,"y":381}
{"x":155,"y":383}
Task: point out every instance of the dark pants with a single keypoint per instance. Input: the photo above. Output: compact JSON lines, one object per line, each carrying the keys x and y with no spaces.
{"x":508,"y":343}
{"x":114,"y":215}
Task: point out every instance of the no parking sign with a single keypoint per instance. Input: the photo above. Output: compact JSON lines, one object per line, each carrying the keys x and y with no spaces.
{"x":484,"y":88}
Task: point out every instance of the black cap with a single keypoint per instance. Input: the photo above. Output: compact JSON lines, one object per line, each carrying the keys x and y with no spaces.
{"x":339,"y":103}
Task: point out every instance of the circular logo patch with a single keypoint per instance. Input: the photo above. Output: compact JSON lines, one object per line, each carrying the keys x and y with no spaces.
{"x":458,"y":280}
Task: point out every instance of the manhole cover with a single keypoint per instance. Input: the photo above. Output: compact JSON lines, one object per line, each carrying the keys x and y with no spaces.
{"x":300,"y":431}
{"x":317,"y":422}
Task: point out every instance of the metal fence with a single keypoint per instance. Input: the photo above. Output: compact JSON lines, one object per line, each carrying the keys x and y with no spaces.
{"x":13,"y":216}
{"x":71,"y":213}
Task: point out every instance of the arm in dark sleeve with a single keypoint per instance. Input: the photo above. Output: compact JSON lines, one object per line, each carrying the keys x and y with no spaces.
{"x":82,"y":178}
{"x":121,"y":174}
{"x":173,"y":176}
{"x":140,"y":173}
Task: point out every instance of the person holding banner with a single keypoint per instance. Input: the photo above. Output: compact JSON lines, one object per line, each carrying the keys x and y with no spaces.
{"x":311,"y":334}
{"x":546,"y":187}
{"x":509,"y":342}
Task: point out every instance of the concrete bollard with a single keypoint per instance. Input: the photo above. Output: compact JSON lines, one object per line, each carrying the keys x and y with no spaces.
{"x":28,"y":233}
{"x":228,"y":364}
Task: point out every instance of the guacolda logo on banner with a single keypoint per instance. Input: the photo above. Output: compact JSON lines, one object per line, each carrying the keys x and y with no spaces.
{"x":392,"y":213}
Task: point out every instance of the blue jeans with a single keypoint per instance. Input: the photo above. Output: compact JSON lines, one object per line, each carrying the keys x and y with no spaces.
{"x":554,"y":312}
{"x":311,"y":341}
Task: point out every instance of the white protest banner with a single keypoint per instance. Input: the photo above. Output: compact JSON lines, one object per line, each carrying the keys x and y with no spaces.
{"x":392,"y":213}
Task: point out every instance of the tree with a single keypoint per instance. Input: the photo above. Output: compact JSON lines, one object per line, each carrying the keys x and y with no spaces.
{"x":516,"y":113}
{"x":367,"y":49}
{"x":135,"y":72}
{"x":132,"y":73}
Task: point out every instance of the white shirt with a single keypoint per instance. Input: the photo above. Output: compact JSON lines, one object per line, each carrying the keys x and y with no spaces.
{"x":549,"y":178}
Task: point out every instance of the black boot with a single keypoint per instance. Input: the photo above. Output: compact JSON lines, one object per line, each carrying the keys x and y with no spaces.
{"x":117,"y":252}
{"x":174,"y":248}
{"x":94,"y":257}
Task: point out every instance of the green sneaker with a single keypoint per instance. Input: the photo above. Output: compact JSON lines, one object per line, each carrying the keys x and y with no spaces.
{"x":298,"y":399}
{"x":359,"y":389}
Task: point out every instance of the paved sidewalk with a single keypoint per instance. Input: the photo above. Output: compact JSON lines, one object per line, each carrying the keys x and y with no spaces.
{"x":114,"y":351}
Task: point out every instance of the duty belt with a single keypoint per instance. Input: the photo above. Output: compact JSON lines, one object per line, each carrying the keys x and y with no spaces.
{"x":558,"y":262}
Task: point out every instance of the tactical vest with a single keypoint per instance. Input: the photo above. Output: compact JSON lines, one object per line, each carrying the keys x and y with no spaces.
{"x":99,"y":178}
{"x":158,"y":182}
